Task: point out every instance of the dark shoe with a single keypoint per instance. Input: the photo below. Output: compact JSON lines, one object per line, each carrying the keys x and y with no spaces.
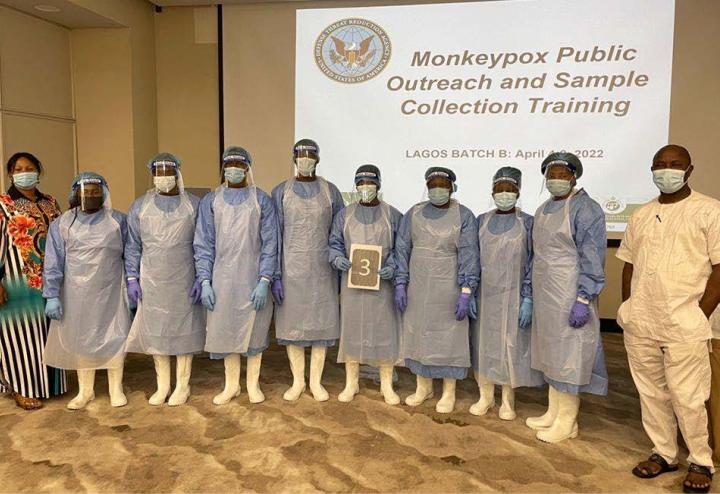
{"x":698,"y":479}
{"x":648,"y":469}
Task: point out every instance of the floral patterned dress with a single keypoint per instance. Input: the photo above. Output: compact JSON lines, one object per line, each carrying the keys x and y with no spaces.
{"x":23,"y":325}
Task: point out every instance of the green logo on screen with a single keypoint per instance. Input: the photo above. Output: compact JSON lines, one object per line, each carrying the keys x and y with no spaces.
{"x":352,"y":50}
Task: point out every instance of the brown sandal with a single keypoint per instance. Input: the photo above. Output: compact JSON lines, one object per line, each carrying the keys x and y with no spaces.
{"x":698,"y":470}
{"x":27,"y":403}
{"x":658,"y":460}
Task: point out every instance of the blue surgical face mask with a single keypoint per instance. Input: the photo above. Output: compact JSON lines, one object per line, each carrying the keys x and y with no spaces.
{"x":25,"y":180}
{"x":669,"y":180}
{"x":439,"y":196}
{"x":234,"y":175}
{"x":505,"y":201}
{"x":558,"y":187}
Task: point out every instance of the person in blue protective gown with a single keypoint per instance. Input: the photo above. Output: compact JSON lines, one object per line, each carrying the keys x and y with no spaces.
{"x":500,"y":335}
{"x":369,"y":323}
{"x":236,"y":245}
{"x":306,"y":286}
{"x":569,"y":244}
{"x":161,"y":279}
{"x":438,"y":268}
{"x":84,"y":288}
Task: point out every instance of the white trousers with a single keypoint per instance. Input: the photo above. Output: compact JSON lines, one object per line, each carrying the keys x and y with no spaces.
{"x":673,"y":380}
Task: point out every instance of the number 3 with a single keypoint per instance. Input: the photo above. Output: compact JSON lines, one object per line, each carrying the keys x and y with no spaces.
{"x":365,"y":268}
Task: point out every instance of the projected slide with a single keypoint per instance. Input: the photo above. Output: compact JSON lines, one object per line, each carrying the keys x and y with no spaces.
{"x":476,"y":86}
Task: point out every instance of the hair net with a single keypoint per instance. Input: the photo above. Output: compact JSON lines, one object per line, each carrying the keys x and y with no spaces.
{"x":167,"y":159}
{"x":235,"y":154}
{"x":508,"y":174}
{"x":568,"y":160}
{"x":89,"y":178}
{"x":368,"y":172}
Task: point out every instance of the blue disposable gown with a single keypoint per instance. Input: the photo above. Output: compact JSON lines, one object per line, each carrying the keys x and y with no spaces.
{"x":468,"y":272}
{"x":133,"y":247}
{"x":500,"y":349}
{"x":84,"y":269}
{"x":369,"y":322}
{"x":587,"y":226}
{"x":502,"y":223}
{"x":53,"y":272}
{"x":304,"y":190}
{"x":166,"y":322}
{"x":205,"y":241}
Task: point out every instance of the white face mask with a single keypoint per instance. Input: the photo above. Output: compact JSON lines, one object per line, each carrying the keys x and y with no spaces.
{"x":669,"y":180}
{"x":165,"y":184}
{"x":368,"y":193}
{"x":558,"y":187}
{"x":306,"y":166}
{"x":505,"y":201}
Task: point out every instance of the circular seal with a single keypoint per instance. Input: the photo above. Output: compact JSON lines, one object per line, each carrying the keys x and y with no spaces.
{"x":614,"y":206}
{"x":352,"y":50}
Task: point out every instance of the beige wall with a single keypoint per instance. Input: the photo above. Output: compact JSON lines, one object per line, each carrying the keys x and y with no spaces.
{"x":36,"y":105}
{"x":116,"y":95}
{"x":186,"y":51}
{"x":103,"y":99}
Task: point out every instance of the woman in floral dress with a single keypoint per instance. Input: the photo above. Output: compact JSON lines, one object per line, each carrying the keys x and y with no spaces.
{"x":25,"y":216}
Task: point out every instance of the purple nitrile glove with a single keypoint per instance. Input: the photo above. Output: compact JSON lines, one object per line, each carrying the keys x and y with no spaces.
{"x":134,"y":291}
{"x":195,"y":292}
{"x":579,"y":314}
{"x":462,"y":307}
{"x":278,"y":291}
{"x":401,"y":299}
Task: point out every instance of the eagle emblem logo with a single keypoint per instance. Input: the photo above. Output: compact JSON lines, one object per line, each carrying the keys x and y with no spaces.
{"x":352,"y":50}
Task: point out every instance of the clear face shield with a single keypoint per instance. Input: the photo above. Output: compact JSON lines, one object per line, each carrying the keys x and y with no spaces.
{"x":366,"y":191}
{"x":505,"y":193}
{"x":167,"y":178}
{"x":92,"y":196}
{"x":559,"y":179}
{"x":237,"y":173}
{"x":305,"y":162}
{"x":438,"y":190}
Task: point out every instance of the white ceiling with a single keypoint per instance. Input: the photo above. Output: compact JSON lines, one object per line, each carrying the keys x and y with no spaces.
{"x":70,"y":15}
{"x":189,"y":3}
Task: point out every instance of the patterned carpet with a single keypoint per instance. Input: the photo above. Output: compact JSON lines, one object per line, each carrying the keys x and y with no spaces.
{"x":364,"y":446}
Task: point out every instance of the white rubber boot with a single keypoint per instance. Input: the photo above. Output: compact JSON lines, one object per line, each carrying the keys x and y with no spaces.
{"x":565,"y":425}
{"x":117,"y":395}
{"x":252,"y":379}
{"x":317,"y":363}
{"x":296,"y":356}
{"x":162,"y":373}
{"x":232,"y":380}
{"x":446,"y":404}
{"x":386,"y":385}
{"x":423,"y":391}
{"x":546,"y":420}
{"x":86,"y":390}
{"x":183,"y":370}
{"x":487,"y":396}
{"x":352,"y":382}
{"x":507,"y":409}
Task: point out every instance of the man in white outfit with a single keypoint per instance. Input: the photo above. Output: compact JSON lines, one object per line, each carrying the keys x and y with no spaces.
{"x":671,"y":285}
